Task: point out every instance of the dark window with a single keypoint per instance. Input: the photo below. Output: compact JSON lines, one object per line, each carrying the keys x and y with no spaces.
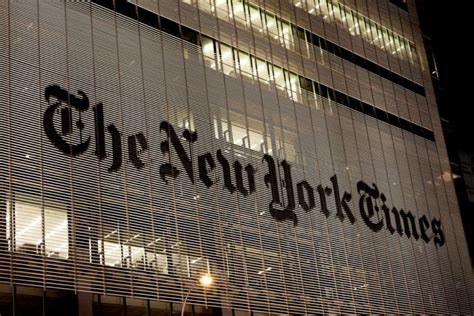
{"x":59,"y":303}
{"x":160,"y":308}
{"x":147,"y":17}
{"x":298,"y":32}
{"x":306,"y":84}
{"x":6,"y":300}
{"x":111,"y":306}
{"x":136,"y":307}
{"x":402,"y":4}
{"x":189,"y":35}
{"x":28,"y":301}
{"x":188,"y":311}
{"x":169,"y":26}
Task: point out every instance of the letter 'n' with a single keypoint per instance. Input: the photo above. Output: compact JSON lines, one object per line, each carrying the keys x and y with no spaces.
{"x":168,"y":169}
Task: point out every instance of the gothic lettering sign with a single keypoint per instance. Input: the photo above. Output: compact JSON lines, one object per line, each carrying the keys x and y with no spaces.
{"x":286,"y":196}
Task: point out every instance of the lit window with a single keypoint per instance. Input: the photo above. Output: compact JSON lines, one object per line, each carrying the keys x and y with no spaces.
{"x":198,"y":265}
{"x":25,"y":223}
{"x":271,"y":26}
{"x":131,"y":250}
{"x":262,"y":70}
{"x":227,"y":58}
{"x":359,"y":25}
{"x":278,"y":77}
{"x":222,"y":9}
{"x":255,"y":18}
{"x":238,"y":10}
{"x":206,"y":5}
{"x":245,"y":64}
{"x":208,"y":52}
{"x":239,"y":135}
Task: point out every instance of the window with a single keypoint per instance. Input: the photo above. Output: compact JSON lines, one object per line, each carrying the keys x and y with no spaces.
{"x":278,"y":77}
{"x":245,"y":64}
{"x":286,"y":36}
{"x":227,"y":58}
{"x":120,"y":248}
{"x":262,"y":70}
{"x":37,"y":229}
{"x":359,"y":25}
{"x":208,"y":51}
{"x":432,"y":63}
{"x":255,"y":18}
{"x":222,"y":9}
{"x":238,"y":10}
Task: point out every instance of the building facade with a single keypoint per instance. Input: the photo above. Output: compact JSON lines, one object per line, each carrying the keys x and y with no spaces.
{"x":291,"y":149}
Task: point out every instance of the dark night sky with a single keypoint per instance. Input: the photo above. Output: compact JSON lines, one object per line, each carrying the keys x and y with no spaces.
{"x":449,"y":26}
{"x":446,"y":23}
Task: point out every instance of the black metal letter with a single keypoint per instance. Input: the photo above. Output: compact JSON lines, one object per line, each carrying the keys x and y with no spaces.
{"x":133,"y":152}
{"x":424,"y":225}
{"x":438,"y":232}
{"x":271,"y":180}
{"x":366,"y":205}
{"x":239,"y":178}
{"x":305,"y":186}
{"x":388,"y":220}
{"x":80,"y":105}
{"x":407,"y":224}
{"x":288,"y":184}
{"x":322,"y":198}
{"x":203,"y":162}
{"x":116,"y":148}
{"x":99,"y":131}
{"x":167,"y":169}
{"x":226,"y":170}
{"x":341,"y":204}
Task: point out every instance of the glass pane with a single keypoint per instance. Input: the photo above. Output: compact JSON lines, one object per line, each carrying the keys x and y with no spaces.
{"x":198,"y":266}
{"x":56,"y":232}
{"x":227,"y":59}
{"x":28,"y":301}
{"x":187,"y":309}
{"x":262,"y":70}
{"x":239,"y":13}
{"x":203,"y":310}
{"x":95,"y":305}
{"x":206,"y":5}
{"x":27,"y":219}
{"x":255,"y":18}
{"x":112,"y":253}
{"x":180,"y":263}
{"x":256,"y":141}
{"x":111,"y":306}
{"x":222,"y":9}
{"x":6,"y":300}
{"x":245,"y":64}
{"x":272,"y":26}
{"x":59,"y":303}
{"x":278,"y":77}
{"x":27,"y":226}
{"x":160,"y":308}
{"x":136,"y":307}
{"x":286,"y":36}
{"x":208,"y":52}
{"x":239,"y":134}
